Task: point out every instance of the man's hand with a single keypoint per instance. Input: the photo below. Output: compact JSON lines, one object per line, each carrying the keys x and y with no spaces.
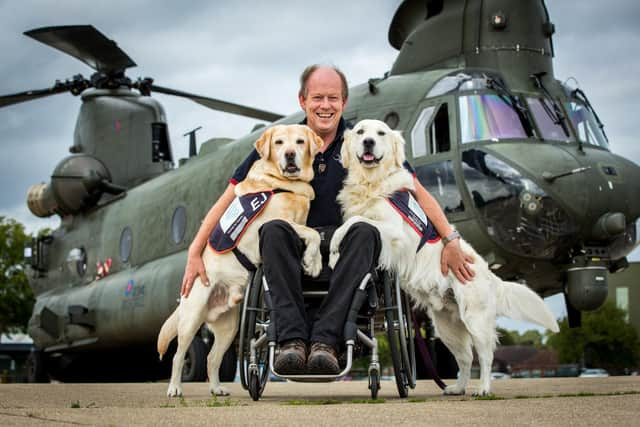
{"x":455,"y":259}
{"x":194,"y":268}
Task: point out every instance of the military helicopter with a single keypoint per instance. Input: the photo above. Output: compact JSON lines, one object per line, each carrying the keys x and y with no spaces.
{"x":518,"y":160}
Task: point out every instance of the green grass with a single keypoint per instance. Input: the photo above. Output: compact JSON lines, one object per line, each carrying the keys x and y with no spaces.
{"x":368,"y":401}
{"x":488,"y":397}
{"x":75,"y":404}
{"x":302,"y":402}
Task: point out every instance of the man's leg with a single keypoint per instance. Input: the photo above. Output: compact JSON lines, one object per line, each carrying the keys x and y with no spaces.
{"x":281,"y":250}
{"x":359,"y":253}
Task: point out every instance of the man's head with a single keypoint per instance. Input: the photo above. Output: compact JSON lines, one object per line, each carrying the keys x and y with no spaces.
{"x":323,"y":96}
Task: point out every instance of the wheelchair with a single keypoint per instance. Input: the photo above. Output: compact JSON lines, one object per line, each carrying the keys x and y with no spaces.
{"x":378,"y":305}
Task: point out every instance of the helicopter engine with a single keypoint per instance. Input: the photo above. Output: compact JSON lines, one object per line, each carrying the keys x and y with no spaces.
{"x":78,"y":182}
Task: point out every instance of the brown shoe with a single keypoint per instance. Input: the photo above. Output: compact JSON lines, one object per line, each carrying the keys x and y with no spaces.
{"x":322,"y":359}
{"x":291,"y":358}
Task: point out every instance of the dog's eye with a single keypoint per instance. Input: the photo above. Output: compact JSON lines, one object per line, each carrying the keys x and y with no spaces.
{"x":360,"y":131}
{"x":381,"y":133}
{"x":300,"y":141}
{"x":278,"y":142}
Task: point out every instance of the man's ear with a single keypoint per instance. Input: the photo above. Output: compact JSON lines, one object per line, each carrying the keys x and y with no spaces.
{"x":315,"y":142}
{"x":345,"y":156}
{"x":398,"y":148}
{"x":263,"y":144}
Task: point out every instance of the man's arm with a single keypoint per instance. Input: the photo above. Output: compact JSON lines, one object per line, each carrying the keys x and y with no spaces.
{"x":195,"y":266}
{"x":452,"y":255}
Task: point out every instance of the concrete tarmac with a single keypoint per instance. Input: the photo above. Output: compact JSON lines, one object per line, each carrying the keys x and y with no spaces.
{"x":539,"y":402}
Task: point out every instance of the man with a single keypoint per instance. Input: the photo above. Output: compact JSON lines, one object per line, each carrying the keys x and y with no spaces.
{"x":323,"y":96}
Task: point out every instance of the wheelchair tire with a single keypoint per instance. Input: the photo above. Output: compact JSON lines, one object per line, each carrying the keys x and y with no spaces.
{"x":374,"y":384}
{"x":399,"y":334}
{"x":252,"y":312}
{"x":255,"y":387}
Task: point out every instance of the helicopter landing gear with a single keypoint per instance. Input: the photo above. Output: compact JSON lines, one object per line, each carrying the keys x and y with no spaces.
{"x":36,"y":367}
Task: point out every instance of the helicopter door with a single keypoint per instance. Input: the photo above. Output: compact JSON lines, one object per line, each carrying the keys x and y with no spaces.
{"x":432,"y":149}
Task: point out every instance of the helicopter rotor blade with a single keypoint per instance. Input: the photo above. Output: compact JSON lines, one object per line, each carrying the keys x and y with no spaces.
{"x":85,"y":43}
{"x":75,"y":85}
{"x":216,"y":104}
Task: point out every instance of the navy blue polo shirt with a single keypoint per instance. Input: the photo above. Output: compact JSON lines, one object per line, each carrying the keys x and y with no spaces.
{"x":327,"y":180}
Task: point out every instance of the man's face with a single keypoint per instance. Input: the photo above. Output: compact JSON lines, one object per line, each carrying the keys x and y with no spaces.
{"x":323,"y":103}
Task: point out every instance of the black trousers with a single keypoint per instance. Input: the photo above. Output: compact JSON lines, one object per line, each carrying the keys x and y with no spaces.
{"x":281,"y":249}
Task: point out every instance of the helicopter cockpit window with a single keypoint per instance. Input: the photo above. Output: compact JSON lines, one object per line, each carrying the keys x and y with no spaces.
{"x":178,"y":224}
{"x":460,"y":81}
{"x":548,"y":128}
{"x":431,"y":132}
{"x":439,"y":131}
{"x":418,"y":135}
{"x":126,"y":243}
{"x":488,"y":117}
{"x":586,"y":125}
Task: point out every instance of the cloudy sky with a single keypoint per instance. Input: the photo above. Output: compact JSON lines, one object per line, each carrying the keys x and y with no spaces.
{"x":251,"y":52}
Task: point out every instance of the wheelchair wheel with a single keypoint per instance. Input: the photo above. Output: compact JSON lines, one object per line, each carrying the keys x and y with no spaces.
{"x":255,"y":386}
{"x":253,"y":317}
{"x":374,"y":384}
{"x":400,"y":335}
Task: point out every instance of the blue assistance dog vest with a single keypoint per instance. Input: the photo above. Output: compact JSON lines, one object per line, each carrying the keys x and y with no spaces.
{"x":409,"y":209}
{"x":235,"y":220}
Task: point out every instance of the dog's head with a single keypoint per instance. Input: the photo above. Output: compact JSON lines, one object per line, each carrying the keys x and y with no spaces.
{"x":372,"y":145}
{"x":290,"y":149}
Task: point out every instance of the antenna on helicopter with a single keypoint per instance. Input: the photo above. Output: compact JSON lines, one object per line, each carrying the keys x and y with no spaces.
{"x":192,"y":141}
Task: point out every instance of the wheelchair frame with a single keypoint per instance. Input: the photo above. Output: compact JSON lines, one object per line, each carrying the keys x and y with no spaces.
{"x":257,"y":337}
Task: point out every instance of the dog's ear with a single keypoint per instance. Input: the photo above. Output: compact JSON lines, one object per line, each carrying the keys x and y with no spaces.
{"x":345,"y":156}
{"x":315,"y":142}
{"x":263,"y":144}
{"x":398,"y":148}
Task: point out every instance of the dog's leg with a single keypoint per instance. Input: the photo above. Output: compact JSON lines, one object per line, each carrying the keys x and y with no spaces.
{"x":191,"y":314}
{"x":390,"y":235}
{"x":235,"y":296}
{"x":224,"y":329}
{"x":482,"y":327}
{"x":455,"y":336}
{"x":311,"y":259}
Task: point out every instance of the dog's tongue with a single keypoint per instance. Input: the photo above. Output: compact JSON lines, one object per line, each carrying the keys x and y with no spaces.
{"x":368,"y":157}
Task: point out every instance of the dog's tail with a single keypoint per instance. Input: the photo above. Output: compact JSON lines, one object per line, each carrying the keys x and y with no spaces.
{"x":168,"y":331}
{"x":518,"y":302}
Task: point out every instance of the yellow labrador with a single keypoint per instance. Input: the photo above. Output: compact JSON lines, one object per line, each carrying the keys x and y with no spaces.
{"x":278,"y":186}
{"x":377,"y":190}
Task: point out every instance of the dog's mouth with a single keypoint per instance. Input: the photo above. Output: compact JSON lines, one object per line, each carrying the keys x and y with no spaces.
{"x":369,"y":159}
{"x":291,"y":169}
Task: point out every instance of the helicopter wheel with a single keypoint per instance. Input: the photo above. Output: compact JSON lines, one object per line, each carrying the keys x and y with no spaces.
{"x":36,"y":368}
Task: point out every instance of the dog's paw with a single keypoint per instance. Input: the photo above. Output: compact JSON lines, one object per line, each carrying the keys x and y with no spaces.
{"x":333,"y":259}
{"x":174,"y":391}
{"x":312,"y":263}
{"x":482,"y":393}
{"x":219,"y":390}
{"x":453,"y":390}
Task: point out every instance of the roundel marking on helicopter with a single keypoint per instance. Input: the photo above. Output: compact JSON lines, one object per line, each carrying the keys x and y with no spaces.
{"x":126,"y":243}
{"x":129,"y":288}
{"x":178,"y":224}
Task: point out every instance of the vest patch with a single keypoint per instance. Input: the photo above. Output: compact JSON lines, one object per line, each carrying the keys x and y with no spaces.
{"x":235,"y":220}
{"x":409,"y":209}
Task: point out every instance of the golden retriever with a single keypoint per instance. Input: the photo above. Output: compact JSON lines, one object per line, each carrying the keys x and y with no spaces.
{"x":286,"y":163}
{"x":464,"y":316}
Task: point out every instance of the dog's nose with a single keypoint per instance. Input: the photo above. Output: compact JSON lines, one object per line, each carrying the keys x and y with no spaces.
{"x":290,"y":155}
{"x":368,"y":143}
